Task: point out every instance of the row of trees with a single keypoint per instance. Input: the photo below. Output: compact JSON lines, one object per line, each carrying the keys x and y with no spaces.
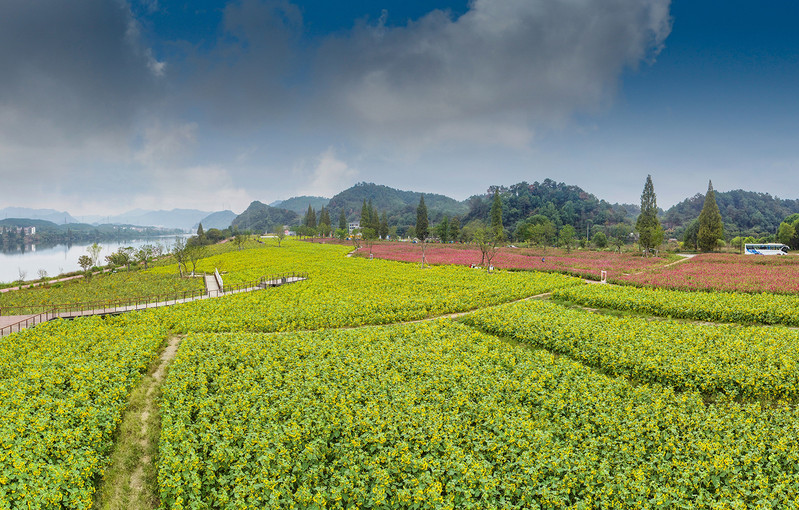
{"x":703,"y":234}
{"x":184,"y":252}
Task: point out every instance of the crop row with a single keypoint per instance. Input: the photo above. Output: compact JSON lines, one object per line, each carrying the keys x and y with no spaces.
{"x":704,"y":306}
{"x":349,"y":292}
{"x":439,"y":415}
{"x":63,"y":387}
{"x":750,"y":362}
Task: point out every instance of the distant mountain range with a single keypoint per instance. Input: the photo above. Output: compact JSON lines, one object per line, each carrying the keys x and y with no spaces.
{"x":743,"y":212}
{"x":219,"y":219}
{"x":58,"y":217}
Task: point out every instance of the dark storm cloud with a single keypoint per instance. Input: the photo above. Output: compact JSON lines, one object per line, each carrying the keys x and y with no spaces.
{"x":70,"y":69}
{"x":504,"y":62}
{"x":252,"y":71}
{"x":490,"y":74}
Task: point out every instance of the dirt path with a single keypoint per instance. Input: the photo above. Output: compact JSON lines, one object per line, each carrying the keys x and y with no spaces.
{"x":686,"y":257}
{"x":130,"y":481}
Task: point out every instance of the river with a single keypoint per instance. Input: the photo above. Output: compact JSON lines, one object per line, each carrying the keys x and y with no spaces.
{"x":61,"y":258}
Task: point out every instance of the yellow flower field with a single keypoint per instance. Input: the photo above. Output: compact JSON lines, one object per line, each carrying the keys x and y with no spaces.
{"x":346,"y":292}
{"x":765,"y":308}
{"x":750,"y":362}
{"x":63,"y":387}
{"x":438,"y":415}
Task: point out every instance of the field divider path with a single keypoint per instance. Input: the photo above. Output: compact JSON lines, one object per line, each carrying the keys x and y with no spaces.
{"x":130,"y":481}
{"x":685,"y":257}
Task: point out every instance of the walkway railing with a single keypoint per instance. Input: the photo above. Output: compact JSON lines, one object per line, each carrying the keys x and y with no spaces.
{"x":70,"y":310}
{"x":26,"y":323}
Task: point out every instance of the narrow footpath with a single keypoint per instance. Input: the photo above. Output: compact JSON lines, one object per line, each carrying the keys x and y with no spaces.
{"x":130,"y":482}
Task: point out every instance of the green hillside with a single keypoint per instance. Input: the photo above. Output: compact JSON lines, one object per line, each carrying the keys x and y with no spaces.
{"x":260,"y":217}
{"x":744,"y":213}
{"x":399,"y":205}
{"x":300,"y":204}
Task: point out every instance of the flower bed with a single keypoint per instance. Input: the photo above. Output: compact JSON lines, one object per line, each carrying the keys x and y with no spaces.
{"x":586,"y":264}
{"x":742,"y":273}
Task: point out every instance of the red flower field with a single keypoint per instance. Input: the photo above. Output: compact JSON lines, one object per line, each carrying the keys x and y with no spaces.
{"x":728,"y":272}
{"x":586,"y":264}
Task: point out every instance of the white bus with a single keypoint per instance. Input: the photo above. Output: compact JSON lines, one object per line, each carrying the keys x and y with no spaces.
{"x":765,"y":249}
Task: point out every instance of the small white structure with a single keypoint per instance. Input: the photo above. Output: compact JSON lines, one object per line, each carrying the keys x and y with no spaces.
{"x":355,"y":225}
{"x":766,"y":249}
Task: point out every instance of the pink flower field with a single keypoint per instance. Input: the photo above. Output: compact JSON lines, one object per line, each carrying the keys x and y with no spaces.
{"x":586,"y":264}
{"x":727,"y":272}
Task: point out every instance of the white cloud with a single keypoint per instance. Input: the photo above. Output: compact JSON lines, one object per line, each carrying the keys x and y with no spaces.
{"x":166,"y":146}
{"x":329,"y":175}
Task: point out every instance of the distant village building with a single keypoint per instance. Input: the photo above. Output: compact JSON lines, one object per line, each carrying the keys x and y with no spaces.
{"x":355,"y":225}
{"x":28,"y":231}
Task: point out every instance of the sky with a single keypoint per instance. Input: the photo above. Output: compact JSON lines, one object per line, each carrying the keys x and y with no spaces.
{"x":113,"y":105}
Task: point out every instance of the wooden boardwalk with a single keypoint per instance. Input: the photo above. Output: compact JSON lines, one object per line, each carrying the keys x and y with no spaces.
{"x":15,"y":323}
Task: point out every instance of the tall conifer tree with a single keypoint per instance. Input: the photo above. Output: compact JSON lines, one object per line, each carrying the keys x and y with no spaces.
{"x":711,"y":229}
{"x":422,"y":223}
{"x":648,"y":225}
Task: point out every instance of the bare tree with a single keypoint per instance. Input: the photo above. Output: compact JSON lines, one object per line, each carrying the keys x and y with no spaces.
{"x":179,"y":252}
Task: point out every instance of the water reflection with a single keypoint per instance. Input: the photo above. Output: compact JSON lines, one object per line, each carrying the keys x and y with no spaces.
{"x":32,"y":259}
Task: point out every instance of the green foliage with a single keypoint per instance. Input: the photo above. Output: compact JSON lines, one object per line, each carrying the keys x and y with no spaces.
{"x":422,"y":222}
{"x":442,"y":230}
{"x":743,"y":213}
{"x":300,"y":204}
{"x":309,"y":220}
{"x":748,"y":362}
{"x":259,"y":217}
{"x":437,"y":415}
{"x":497,"y":228}
{"x":691,"y":235}
{"x":567,"y":237}
{"x":560,"y":203}
{"x":734,"y":307}
{"x":649,"y":230}
{"x":85,"y":262}
{"x":600,"y":240}
{"x":710,"y":226}
{"x":455,"y":229}
{"x":400,"y":205}
{"x":383,"y":228}
{"x":397,"y":291}
{"x":64,"y":386}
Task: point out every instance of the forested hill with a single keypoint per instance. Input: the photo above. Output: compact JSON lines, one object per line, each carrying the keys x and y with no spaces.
{"x":744,"y":213}
{"x":261,"y":217}
{"x":561,"y":204}
{"x":399,"y":205}
{"x":300,"y":204}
